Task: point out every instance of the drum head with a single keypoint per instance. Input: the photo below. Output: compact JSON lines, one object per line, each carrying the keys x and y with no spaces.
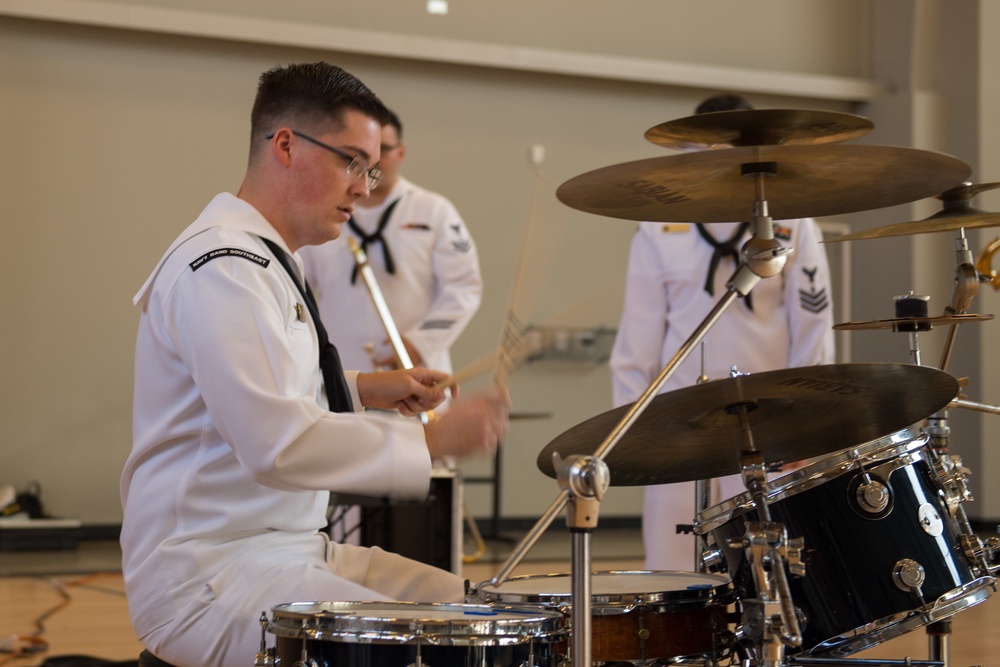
{"x":664,"y":589}
{"x":410,"y":622}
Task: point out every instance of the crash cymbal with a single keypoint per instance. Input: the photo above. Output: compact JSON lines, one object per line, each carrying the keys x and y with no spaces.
{"x":808,"y":181}
{"x":956,"y":214}
{"x":758,"y":127}
{"x":912,"y":323}
{"x":795,"y":413}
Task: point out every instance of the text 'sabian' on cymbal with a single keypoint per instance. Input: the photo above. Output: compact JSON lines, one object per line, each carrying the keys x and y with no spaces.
{"x":793,"y":414}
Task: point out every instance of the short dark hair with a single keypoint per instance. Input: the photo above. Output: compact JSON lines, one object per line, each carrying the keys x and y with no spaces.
{"x":309,"y":96}
{"x":394,"y":121}
{"x":725,"y":102}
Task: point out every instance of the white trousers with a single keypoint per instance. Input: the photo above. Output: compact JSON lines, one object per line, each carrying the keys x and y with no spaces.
{"x":220,"y":623}
{"x":665,"y":506}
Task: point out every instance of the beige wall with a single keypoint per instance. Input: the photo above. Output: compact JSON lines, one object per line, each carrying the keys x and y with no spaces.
{"x":120,"y":124}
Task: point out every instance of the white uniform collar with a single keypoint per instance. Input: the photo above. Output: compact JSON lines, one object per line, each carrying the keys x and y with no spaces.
{"x":224,"y":210}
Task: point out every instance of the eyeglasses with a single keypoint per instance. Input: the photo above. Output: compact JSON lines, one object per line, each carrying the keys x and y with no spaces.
{"x":357,"y":166}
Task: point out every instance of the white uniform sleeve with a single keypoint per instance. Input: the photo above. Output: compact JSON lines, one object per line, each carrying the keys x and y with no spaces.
{"x":638,"y":345}
{"x":458,"y":284}
{"x":809,"y":300}
{"x":254,"y":365}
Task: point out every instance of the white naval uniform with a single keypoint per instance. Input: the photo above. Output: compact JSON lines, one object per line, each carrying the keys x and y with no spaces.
{"x":234,"y":454}
{"x":791,"y":324}
{"x":433,"y":294}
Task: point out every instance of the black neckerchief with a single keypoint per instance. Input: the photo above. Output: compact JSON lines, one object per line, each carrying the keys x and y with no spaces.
{"x":338,"y":395}
{"x":727,"y":248}
{"x":374,"y":237}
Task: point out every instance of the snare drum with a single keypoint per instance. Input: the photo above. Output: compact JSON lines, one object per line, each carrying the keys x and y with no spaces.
{"x":882,"y":552}
{"x":403,"y":634}
{"x":634,"y":615}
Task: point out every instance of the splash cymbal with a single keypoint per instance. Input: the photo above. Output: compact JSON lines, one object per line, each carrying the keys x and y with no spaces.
{"x":758,"y":127}
{"x":956,"y":214}
{"x":808,"y":181}
{"x":912,"y":323}
{"x":794,"y":414}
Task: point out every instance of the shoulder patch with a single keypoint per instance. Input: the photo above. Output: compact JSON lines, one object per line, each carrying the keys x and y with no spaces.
{"x":670,"y":227}
{"x":783,"y":233}
{"x":229,"y":252}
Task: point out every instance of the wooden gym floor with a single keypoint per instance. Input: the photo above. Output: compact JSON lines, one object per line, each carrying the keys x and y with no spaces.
{"x":78,"y":597}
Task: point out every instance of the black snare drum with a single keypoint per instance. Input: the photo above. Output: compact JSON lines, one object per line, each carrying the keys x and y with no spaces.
{"x":404,"y":634}
{"x":882,"y":551}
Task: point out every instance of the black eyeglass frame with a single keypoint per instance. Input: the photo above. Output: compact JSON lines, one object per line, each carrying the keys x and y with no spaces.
{"x":355,"y":163}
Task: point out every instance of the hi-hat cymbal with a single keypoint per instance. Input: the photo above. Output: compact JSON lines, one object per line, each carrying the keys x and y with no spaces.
{"x":795,"y":413}
{"x":956,"y":214}
{"x":759,"y":127}
{"x":808,"y":181}
{"x":912,"y":323}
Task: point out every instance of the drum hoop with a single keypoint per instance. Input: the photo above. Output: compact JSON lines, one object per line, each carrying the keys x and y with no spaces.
{"x":895,"y":446}
{"x":358,"y":622}
{"x":890,"y":627}
{"x":696,"y":597}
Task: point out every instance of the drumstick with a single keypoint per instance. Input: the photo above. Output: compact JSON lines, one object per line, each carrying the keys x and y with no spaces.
{"x":477,"y":367}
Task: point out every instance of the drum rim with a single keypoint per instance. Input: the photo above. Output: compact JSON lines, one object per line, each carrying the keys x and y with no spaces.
{"x":882,"y":630}
{"x":687,"y":597}
{"x":894,"y":445}
{"x":340,"y":620}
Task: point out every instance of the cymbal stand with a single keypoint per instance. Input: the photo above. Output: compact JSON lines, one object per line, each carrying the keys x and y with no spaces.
{"x":967,"y":281}
{"x":762,"y":257}
{"x":769,"y":620}
{"x":948,"y":469}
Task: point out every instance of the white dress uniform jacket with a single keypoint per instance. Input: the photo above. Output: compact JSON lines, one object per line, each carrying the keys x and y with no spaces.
{"x":791,"y":324}
{"x":234,"y":453}
{"x":434,"y":292}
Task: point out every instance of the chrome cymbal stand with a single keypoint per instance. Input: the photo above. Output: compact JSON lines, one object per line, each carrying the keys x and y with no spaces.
{"x":762,"y":257}
{"x":769,"y":620}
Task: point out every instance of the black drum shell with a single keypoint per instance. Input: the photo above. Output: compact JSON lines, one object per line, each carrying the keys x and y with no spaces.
{"x":848,"y":597}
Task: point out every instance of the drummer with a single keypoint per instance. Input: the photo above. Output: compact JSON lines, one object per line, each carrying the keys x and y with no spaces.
{"x":676,"y":274}
{"x":235,"y":450}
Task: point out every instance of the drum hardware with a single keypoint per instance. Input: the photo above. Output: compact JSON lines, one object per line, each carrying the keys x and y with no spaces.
{"x":265,"y":656}
{"x":644,"y":617}
{"x":316,"y":634}
{"x":761,"y":257}
{"x":846,"y":607}
{"x":807,"y":661}
{"x":770,"y":619}
{"x":758,"y":127}
{"x":909,"y":577}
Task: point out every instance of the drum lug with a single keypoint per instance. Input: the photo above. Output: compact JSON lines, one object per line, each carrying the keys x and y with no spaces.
{"x":793,"y":555}
{"x":954,"y":480}
{"x":909,"y":576}
{"x":714,"y":560}
{"x":982,"y":556}
{"x":265,"y":656}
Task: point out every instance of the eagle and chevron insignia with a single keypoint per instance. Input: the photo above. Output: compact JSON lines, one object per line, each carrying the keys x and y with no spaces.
{"x":813,"y":300}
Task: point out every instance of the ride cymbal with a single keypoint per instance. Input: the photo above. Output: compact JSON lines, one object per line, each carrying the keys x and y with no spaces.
{"x":807,"y":181}
{"x":794,"y":414}
{"x":758,"y":127}
{"x":912,"y":323}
